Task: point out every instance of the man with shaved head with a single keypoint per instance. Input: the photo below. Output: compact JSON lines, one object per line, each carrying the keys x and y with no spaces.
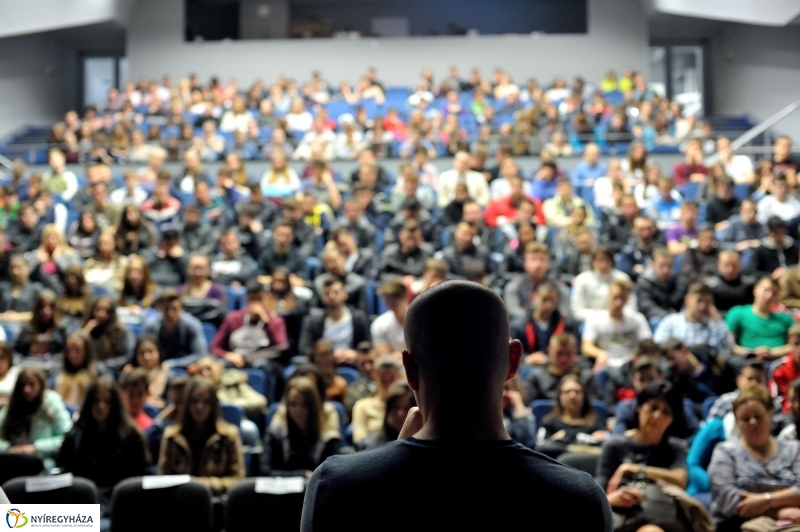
{"x":454,"y":467}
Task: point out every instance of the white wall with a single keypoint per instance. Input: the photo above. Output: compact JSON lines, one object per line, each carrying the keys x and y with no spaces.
{"x":617,"y":38}
{"x":31,"y":81}
{"x":30,"y":16}
{"x":757,"y":70}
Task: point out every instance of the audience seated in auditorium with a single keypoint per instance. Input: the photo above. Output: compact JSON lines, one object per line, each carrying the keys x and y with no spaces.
{"x":42,"y":340}
{"x":232,"y":387}
{"x":198,"y":285}
{"x":8,"y":372}
{"x":134,"y":233}
{"x":201,"y":444}
{"x":399,"y":400}
{"x":35,"y":420}
{"x":637,"y":253}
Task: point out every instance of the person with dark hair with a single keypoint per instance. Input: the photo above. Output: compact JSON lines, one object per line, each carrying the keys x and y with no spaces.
{"x":147,"y":355}
{"x":645,"y":454}
{"x":134,"y":234}
{"x":789,"y":369}
{"x":723,"y":204}
{"x":542,"y":323}
{"x":109,"y":339}
{"x":198,"y":285}
{"x":290,"y":303}
{"x":135,"y":385}
{"x":406,"y":257}
{"x":35,"y":420}
{"x":71,"y":304}
{"x":731,"y":287}
{"x":756,"y":474}
{"x":636,"y":255}
{"x":105,"y":268}
{"x":399,"y":400}
{"x":364,"y":385}
{"x":343,"y":326}
{"x":168,"y":262}
{"x":321,"y":356}
{"x":692,"y":375}
{"x":197,"y":237}
{"x":104,"y":445}
{"x":463,"y":248}
{"x":619,"y":381}
{"x":25,"y":233}
{"x":460,"y":418}
{"x":201,"y":444}
{"x":789,"y":432}
{"x":573,"y":420}
{"x":562,"y":360}
{"x":387,"y":329}
{"x":18,"y":294}
{"x":78,"y":370}
{"x":42,"y":340}
{"x":659,"y":291}
{"x":138,"y":290}
{"x":353,"y":219}
{"x":777,"y":252}
{"x":757,"y":328}
{"x":753,"y":372}
{"x":8,"y":372}
{"x":684,"y":232}
{"x":333,"y":267}
{"x":697,"y":324}
{"x":180,"y":335}
{"x":279,"y":252}
{"x":590,"y":289}
{"x":299,"y":439}
{"x":519,"y":292}
{"x":253,"y":333}
{"x":779,"y":202}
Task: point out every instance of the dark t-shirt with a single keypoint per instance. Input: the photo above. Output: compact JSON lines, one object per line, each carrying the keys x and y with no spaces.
{"x":669,"y":454}
{"x":452,"y":486}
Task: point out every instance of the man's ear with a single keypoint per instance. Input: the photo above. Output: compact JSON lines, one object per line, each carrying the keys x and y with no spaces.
{"x":412,"y":374}
{"x":514,"y":358}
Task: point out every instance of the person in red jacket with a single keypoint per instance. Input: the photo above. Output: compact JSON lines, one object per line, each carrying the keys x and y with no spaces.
{"x":504,"y":210}
{"x":252,"y":333}
{"x":692,"y":168}
{"x":789,"y":369}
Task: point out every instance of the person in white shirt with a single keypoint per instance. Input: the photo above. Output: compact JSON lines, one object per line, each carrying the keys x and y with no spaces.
{"x":57,"y":178}
{"x":590,"y":288}
{"x":238,"y":118}
{"x":298,"y":118}
{"x":610,"y":335}
{"x":739,"y":167}
{"x":779,"y":203}
{"x":131,"y":193}
{"x":604,"y":186}
{"x":387,"y":329}
{"x":461,"y":173}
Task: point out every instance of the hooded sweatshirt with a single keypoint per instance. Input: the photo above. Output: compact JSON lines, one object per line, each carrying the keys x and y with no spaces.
{"x":769,"y":256}
{"x":658,"y":298}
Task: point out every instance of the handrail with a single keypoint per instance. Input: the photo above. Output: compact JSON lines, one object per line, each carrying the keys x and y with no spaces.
{"x":758,"y":129}
{"x":5,"y":161}
{"x":738,"y":143}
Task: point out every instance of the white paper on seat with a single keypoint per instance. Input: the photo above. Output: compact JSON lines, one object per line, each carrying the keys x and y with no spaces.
{"x":33,"y":485}
{"x":164,"y":481}
{"x":280,"y":485}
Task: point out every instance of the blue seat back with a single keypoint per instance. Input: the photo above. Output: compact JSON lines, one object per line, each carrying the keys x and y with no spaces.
{"x":707,"y":404}
{"x":233,"y":414}
{"x":209,"y":331}
{"x":348,"y":374}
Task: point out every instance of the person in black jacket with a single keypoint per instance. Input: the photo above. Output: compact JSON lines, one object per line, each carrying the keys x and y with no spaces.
{"x":577,"y":258}
{"x":104,"y":445}
{"x":658,"y":290}
{"x":701,"y":260}
{"x":407,"y":257}
{"x":619,"y":381}
{"x":353,"y":218}
{"x":344,"y":327}
{"x":562,"y":359}
{"x":168,"y":262}
{"x":195,"y":237}
{"x":616,"y":229}
{"x":279,"y":252}
{"x":43,"y":339}
{"x":723,"y":204}
{"x":730,"y":286}
{"x":777,"y":251}
{"x":463,"y":247}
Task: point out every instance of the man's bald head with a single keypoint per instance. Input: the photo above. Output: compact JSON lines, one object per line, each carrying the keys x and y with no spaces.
{"x":457,"y":333}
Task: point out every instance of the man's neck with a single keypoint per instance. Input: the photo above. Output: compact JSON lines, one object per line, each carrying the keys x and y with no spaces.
{"x":695,"y":318}
{"x":336,"y":313}
{"x":761,"y":309}
{"x":444,"y":426}
{"x":615,"y":313}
